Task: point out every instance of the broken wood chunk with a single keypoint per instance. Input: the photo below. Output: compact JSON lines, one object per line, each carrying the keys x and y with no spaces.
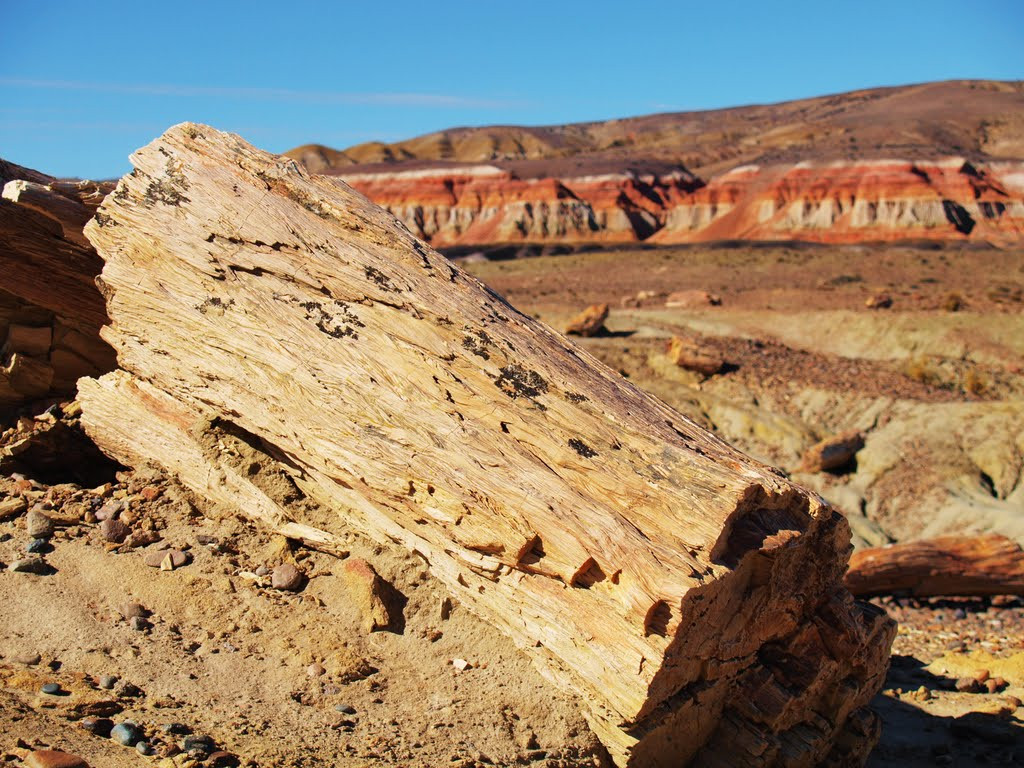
{"x":266,"y":317}
{"x":833,"y":452}
{"x":589,"y":322}
{"x":694,"y":356}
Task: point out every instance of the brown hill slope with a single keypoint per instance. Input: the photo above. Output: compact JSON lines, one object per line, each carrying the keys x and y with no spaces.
{"x":976,"y":119}
{"x":937,"y":161}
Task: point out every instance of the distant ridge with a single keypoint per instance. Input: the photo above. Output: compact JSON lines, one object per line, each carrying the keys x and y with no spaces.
{"x":840,"y":168}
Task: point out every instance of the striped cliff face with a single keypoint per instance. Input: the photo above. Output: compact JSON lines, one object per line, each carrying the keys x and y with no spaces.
{"x":849,"y":202}
{"x":484,"y":205}
{"x":839,"y":202}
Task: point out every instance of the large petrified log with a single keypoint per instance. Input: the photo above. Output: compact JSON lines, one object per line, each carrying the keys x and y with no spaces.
{"x":949,"y":566}
{"x":290,"y":350}
{"x":50,"y":310}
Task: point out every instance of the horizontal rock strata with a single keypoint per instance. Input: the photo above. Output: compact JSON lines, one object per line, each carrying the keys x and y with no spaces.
{"x":838,"y":202}
{"x":289,"y":350}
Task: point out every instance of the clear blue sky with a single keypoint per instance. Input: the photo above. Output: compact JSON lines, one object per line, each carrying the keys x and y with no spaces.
{"x":82,"y":84}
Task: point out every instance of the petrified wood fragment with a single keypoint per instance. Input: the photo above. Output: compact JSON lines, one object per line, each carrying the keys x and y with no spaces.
{"x":50,"y":310}
{"x":948,"y":565}
{"x":289,"y":349}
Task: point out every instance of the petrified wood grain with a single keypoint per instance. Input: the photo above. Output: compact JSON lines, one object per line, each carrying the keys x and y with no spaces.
{"x":47,"y":290}
{"x":949,"y":565}
{"x":277,"y":330}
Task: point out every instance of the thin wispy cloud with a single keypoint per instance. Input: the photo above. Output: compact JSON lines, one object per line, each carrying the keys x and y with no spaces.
{"x":431,"y":100}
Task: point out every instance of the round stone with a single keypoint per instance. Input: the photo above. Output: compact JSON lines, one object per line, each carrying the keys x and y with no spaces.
{"x":127,"y":734}
{"x":107,"y":682}
{"x":199,"y":743}
{"x":345,"y":709}
{"x":36,"y":546}
{"x":52,"y":689}
{"x":144,"y":748}
{"x":287,"y":577}
{"x":39,"y":525}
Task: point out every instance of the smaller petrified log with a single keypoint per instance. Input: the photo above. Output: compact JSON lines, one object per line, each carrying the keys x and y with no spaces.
{"x":589,"y":322}
{"x":692,"y":300}
{"x":832,"y":452}
{"x":950,"y":565}
{"x":693,"y":356}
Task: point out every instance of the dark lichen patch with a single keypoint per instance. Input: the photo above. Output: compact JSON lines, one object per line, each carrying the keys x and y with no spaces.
{"x":162,"y":191}
{"x":215,"y":306}
{"x":311,"y":205}
{"x":169,"y":191}
{"x":582,"y":448}
{"x":383,"y":281}
{"x":477,"y":343}
{"x":339,"y":325}
{"x":102,"y":220}
{"x":575,"y":397}
{"x":516,"y":381}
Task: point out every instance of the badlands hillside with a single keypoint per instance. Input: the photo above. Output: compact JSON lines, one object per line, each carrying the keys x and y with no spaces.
{"x":937,"y":161}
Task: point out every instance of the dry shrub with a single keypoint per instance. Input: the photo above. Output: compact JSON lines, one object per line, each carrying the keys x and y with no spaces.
{"x":925,"y":370}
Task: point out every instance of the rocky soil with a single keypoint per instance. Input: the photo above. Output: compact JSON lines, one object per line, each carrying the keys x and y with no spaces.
{"x":148,"y":606}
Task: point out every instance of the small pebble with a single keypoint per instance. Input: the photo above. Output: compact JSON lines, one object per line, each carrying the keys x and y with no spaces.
{"x":287,"y":577}
{"x":131,"y":610}
{"x":114,"y":530}
{"x":33,"y":564}
{"x":151,"y":492}
{"x":107,"y":682}
{"x":53,"y":689}
{"x":315,"y":670}
{"x":175,"y":728}
{"x":199,"y":742}
{"x":991,"y":686}
{"x":28,"y":659}
{"x":130,"y":691}
{"x":127,"y":734}
{"x":960,"y":614}
{"x":37,"y":546}
{"x":39,"y":525}
{"x":968,"y":685}
{"x":345,"y":709}
{"x":143,"y":748}
{"x":166,"y":559}
{"x":981,"y":675}
{"x":461,"y":664}
{"x":138,"y":623}
{"x":262,"y":570}
{"x":109,"y":511}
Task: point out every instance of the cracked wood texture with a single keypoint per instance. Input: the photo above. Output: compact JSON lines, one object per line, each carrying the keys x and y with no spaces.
{"x":290,"y":350}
